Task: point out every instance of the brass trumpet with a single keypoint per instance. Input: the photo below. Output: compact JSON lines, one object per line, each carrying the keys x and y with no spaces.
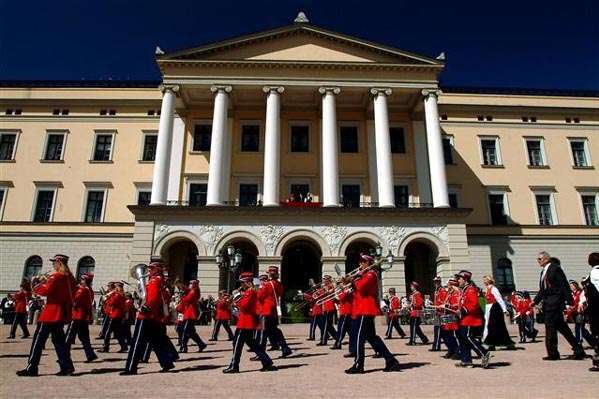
{"x":40,"y":279}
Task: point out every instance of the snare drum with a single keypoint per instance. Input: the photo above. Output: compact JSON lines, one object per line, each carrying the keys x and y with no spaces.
{"x":448,"y":318}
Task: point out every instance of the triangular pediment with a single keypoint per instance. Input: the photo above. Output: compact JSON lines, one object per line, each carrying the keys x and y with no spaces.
{"x":300,"y":42}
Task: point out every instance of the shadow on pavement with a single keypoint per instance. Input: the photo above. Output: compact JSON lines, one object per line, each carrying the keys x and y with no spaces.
{"x":303,"y":355}
{"x":104,"y":370}
{"x":191,"y":359}
{"x":198,"y":367}
{"x":280,"y":367}
{"x":14,"y":355}
{"x":498,"y":364}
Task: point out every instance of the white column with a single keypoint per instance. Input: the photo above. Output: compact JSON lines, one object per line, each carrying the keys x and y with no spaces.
{"x":330,"y":147}
{"x":163,"y":147}
{"x":218,"y":142}
{"x":177,"y":150}
{"x":435,"y":150}
{"x":384,"y":161}
{"x":423,"y":174}
{"x":272,"y":144}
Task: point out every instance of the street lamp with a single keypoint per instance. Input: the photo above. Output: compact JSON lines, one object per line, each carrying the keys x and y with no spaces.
{"x":229,"y":260}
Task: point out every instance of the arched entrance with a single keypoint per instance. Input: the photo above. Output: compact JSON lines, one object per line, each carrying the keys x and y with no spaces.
{"x":301,"y":263}
{"x":182,"y":260}
{"x":353,"y":251}
{"x":249,"y":263}
{"x":421,"y":264}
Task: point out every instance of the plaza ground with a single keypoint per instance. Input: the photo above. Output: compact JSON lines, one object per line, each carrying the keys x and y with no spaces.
{"x":312,"y":372}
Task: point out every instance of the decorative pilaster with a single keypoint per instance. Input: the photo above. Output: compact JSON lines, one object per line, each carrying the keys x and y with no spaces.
{"x":384,"y":161}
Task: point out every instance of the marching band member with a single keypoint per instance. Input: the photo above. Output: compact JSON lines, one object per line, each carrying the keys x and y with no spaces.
{"x":572,"y":311}
{"x":246,"y":324}
{"x":416,"y":303}
{"x":189,"y":306}
{"x":58,"y":289}
{"x":317,"y":311}
{"x":439,"y":297}
{"x":129,"y":318}
{"x":115,"y":305}
{"x":82,"y":317}
{"x":269,"y":296}
{"x":471,"y":321}
{"x":449,"y":328}
{"x":222,"y":316}
{"x":525,"y":316}
{"x":309,"y":298}
{"x":344,"y":323}
{"x":393,"y":315}
{"x":329,"y":310}
{"x":495,"y":332}
{"x":148,"y":326}
{"x":591,"y":304}
{"x":365,"y":308}
{"x":21,"y":298}
{"x":110,"y":288}
{"x":180,"y":308}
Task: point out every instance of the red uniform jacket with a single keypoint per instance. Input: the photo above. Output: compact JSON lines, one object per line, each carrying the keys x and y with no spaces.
{"x":116,"y":305}
{"x":190,"y":303}
{"x":21,"y":298}
{"x":572,"y":311}
{"x":267,"y":297}
{"x":394,"y":306}
{"x":82,"y":303}
{"x":223,"y":310}
{"x":248,"y":316}
{"x":130,"y":309}
{"x":59,"y":290}
{"x":317,"y":309}
{"x":365,"y":296}
{"x":452,"y":301}
{"x":153,"y":308}
{"x":329,"y":306}
{"x":345,"y":303}
{"x":417,"y":304}
{"x":471,"y":313}
{"x":524,"y":307}
{"x":440,"y":297}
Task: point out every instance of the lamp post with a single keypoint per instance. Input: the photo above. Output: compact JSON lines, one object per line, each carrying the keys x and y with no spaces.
{"x":229,"y":260}
{"x":377,"y":254}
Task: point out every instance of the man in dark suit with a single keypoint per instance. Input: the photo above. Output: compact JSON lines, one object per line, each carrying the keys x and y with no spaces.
{"x":555,"y":293}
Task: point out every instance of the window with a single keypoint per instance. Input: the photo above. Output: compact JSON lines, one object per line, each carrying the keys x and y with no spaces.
{"x":33,"y":267}
{"x":300,"y":138}
{"x":350,"y":195}
{"x":202,"y":135}
{"x":250,"y":138}
{"x":149,"y":150}
{"x":103,"y":147}
{"x":44,"y":205}
{"x":490,"y":151}
{"x":398,"y":140}
{"x":94,"y":207}
{"x":580,"y":153}
{"x":535,"y":151}
{"x":299,"y":191}
{"x":589,"y":207}
{"x":498,"y":208}
{"x":198,"y":192}
{"x":402,"y":196}
{"x":7,"y":146}
{"x":504,"y":275}
{"x":144,"y":198}
{"x":453,"y":200}
{"x":54,"y":147}
{"x":2,"y":200}
{"x":545,"y":209}
{"x":448,"y":149}
{"x":349,"y":138}
{"x":248,"y":194}
{"x":87,"y":264}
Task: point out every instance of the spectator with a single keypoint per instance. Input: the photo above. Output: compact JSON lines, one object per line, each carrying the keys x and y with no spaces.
{"x":8,"y":309}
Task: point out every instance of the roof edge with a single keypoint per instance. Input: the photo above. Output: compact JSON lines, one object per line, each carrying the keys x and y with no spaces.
{"x":108,"y":83}
{"x":520,"y":91}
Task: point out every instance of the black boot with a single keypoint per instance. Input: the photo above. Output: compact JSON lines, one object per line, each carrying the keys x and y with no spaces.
{"x":392,"y":366}
{"x":355,"y":370}
{"x":231,"y":370}
{"x":27,"y":373}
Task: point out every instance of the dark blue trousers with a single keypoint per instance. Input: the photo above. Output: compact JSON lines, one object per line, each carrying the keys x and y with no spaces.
{"x":393,"y":322}
{"x":327,"y":329}
{"x":450,"y":339}
{"x":42,"y":332}
{"x":21,"y":321}
{"x":246,"y":337}
{"x":148,"y":334}
{"x":225,"y":325}
{"x":343,"y":327}
{"x":366,"y":331}
{"x":80,"y":329}
{"x":469,"y":338}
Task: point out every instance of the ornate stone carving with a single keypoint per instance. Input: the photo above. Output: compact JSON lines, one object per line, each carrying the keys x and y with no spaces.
{"x":441,"y":233}
{"x":271,"y":235}
{"x":334,"y":236}
{"x":393,"y":235}
{"x":211,"y":234}
{"x":162,"y":229}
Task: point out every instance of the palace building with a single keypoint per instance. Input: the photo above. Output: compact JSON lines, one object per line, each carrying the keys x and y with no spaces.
{"x":301,"y":147}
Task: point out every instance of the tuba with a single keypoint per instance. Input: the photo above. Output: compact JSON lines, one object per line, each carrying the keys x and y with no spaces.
{"x":140,"y":273}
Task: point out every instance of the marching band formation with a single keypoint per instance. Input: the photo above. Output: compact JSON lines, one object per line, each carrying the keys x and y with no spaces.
{"x":463,"y":323}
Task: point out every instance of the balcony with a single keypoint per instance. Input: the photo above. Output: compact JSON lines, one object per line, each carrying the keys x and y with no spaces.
{"x":294,"y":204}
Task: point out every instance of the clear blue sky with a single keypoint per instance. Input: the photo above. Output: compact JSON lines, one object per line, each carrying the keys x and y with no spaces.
{"x":525,"y":43}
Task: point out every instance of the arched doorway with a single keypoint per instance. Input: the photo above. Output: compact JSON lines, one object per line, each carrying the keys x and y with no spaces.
{"x":182,"y":260}
{"x":421,"y":264}
{"x":301,"y":263}
{"x":249,"y":263}
{"x":353,"y":251}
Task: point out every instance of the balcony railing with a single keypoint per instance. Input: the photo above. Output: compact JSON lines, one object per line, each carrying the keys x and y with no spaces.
{"x":297,"y":204}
